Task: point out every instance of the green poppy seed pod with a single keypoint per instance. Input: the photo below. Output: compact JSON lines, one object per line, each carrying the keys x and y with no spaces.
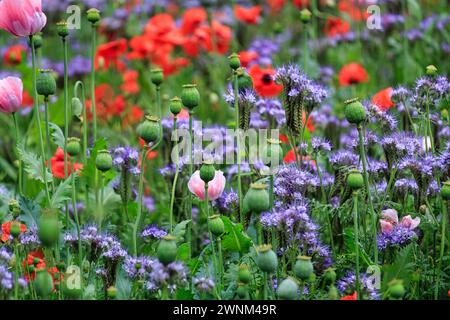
{"x":37,"y":40}
{"x":62,"y":29}
{"x":235,"y":62}
{"x":267,"y":260}
{"x":73,"y":146}
{"x":167,"y":250}
{"x":216,"y":225}
{"x":14,"y":208}
{"x":111,"y":292}
{"x":15,"y":228}
{"x":288,"y":289}
{"x":175,"y":106}
{"x":45,"y":83}
{"x":333,"y":293}
{"x":431,"y":70}
{"x":244,"y":274}
{"x":242,"y":291}
{"x":149,"y":130}
{"x":355,"y":112}
{"x":157,"y":76}
{"x":445,"y":191}
{"x":104,"y":160}
{"x":48,"y":229}
{"x":355,"y":180}
{"x":244,"y":80}
{"x":274,"y":152}
{"x":43,"y":283}
{"x":257,"y":199}
{"x":303,"y":268}
{"x":396,"y":289}
{"x":77,"y":106}
{"x":207,"y":171}
{"x":330,"y":275}
{"x":93,"y":15}
{"x":305,"y":16}
{"x":190,"y":96}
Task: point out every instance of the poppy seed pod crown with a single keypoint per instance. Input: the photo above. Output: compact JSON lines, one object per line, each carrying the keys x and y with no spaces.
{"x":157,"y":76}
{"x":62,"y":28}
{"x":175,"y":106}
{"x":235,"y":62}
{"x":93,"y":15}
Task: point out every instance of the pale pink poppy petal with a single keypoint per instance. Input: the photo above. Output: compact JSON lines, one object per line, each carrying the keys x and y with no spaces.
{"x":410,"y":223}
{"x":386,"y":226}
{"x":391,"y":215}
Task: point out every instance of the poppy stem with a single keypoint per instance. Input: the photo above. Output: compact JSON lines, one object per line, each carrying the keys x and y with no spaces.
{"x":175,"y":180}
{"x":236,"y":110}
{"x":356,"y":235}
{"x":93,"y":107}
{"x":20,"y":177}
{"x":140,"y":193}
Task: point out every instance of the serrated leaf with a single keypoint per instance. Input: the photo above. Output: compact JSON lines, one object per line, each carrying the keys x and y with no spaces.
{"x":30,"y":211}
{"x":180,"y":230}
{"x":33,"y":164}
{"x":63,"y":193}
{"x":235,"y":240}
{"x":57,"y":135}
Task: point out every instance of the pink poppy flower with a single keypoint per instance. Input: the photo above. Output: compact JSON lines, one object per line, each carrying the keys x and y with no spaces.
{"x":215,"y":187}
{"x":11,"y":89}
{"x":390,"y":215}
{"x":410,"y":223}
{"x":22,"y":18}
{"x":391,"y":220}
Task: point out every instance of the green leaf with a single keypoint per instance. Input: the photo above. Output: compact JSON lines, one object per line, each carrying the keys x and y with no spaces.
{"x":183,"y":252}
{"x":123,"y":286}
{"x":180,"y":230}
{"x":63,"y":193}
{"x":30,"y":211}
{"x":235,"y":239}
{"x":403,"y":265}
{"x":57,"y":135}
{"x":89,"y":169}
{"x":33,"y":164}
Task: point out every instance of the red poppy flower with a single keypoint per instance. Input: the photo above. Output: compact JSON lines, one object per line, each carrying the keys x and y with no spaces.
{"x":6,"y":230}
{"x":247,"y":57}
{"x":301,"y":4}
{"x":336,"y":26}
{"x":276,"y":5}
{"x":35,"y":259}
{"x":27,"y":100}
{"x":192,"y":18}
{"x":290,"y":157}
{"x":383,"y":99}
{"x":109,"y":54}
{"x":350,"y":297}
{"x":283,"y":138}
{"x":151,"y":155}
{"x":130,"y":84}
{"x":352,"y":73}
{"x":13,"y":56}
{"x":263,"y":81}
{"x":355,"y":11}
{"x":248,"y":15}
{"x":57,"y":163}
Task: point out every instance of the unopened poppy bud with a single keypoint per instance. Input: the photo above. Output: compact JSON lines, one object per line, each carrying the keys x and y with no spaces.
{"x":190,"y":96}
{"x":167,"y":250}
{"x":16,"y":228}
{"x":242,"y":291}
{"x":423,"y":209}
{"x":149,"y":130}
{"x":48,"y":229}
{"x":62,"y":28}
{"x":77,"y":106}
{"x":235,"y":62}
{"x":216,"y":225}
{"x":396,"y":289}
{"x":175,"y":106}
{"x":157,"y":76}
{"x":333,"y":293}
{"x":93,"y":15}
{"x":111,"y":292}
{"x":330,"y":275}
{"x":355,"y":112}
{"x":73,"y":146}
{"x":305,"y":16}
{"x":257,"y":199}
{"x":303,"y":268}
{"x":207,"y":171}
{"x":14,"y":208}
{"x":244,"y":80}
{"x":45,"y":83}
{"x":288,"y":289}
{"x":445,"y":191}
{"x":104,"y":160}
{"x":267,"y":260}
{"x":244,"y":274}
{"x":431,"y":70}
{"x":43,"y":283}
{"x":355,"y":180}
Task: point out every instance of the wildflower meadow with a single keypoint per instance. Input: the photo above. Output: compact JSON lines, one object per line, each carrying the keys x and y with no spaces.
{"x":224,"y":150}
